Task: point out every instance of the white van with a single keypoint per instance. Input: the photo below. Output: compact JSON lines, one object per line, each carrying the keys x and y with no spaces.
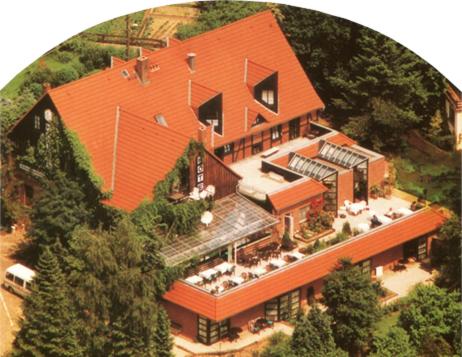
{"x":18,"y":279}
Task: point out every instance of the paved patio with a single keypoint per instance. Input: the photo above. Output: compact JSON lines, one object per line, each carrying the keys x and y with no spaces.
{"x":380,"y":206}
{"x":402,"y":282}
{"x":185,"y":347}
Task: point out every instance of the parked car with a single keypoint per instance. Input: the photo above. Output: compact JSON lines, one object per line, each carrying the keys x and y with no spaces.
{"x":18,"y":279}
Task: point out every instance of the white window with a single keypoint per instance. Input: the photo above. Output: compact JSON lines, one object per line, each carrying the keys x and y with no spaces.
{"x":228,"y":148}
{"x":200,"y":169}
{"x":276,"y":132}
{"x":200,"y":178}
{"x":37,"y":122}
{"x":267,"y":95}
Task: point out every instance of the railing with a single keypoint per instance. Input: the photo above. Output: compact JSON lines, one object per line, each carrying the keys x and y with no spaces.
{"x":308,"y":257}
{"x":31,"y":171}
{"x":122,"y":40}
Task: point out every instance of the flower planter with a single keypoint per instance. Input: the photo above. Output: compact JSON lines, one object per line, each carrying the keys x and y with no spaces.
{"x":311,"y":239}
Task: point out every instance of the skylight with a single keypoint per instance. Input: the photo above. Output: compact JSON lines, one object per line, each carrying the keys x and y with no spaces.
{"x":310,"y":168}
{"x":340,"y":155}
{"x":160,"y":119}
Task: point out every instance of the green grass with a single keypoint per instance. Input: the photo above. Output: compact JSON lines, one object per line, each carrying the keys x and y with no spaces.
{"x":435,"y":175}
{"x":11,"y":89}
{"x":118,"y":25}
{"x":388,"y":321}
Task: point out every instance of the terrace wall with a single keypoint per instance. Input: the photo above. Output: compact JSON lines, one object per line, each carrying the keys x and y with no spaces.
{"x":376,"y":171}
{"x":345,"y":187}
{"x":181,"y":316}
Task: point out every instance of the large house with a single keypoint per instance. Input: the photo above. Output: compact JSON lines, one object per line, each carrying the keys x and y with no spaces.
{"x":273,"y":170}
{"x":453,"y":106}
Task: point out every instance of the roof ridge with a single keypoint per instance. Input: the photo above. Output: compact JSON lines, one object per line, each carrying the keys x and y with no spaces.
{"x":240,"y":21}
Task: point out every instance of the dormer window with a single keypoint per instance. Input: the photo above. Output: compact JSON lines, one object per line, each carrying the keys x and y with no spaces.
{"x":211,"y":113}
{"x":258,"y":120}
{"x":266,"y":92}
{"x":267,"y":95}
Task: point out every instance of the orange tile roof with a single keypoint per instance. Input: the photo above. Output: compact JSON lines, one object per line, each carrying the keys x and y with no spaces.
{"x":341,"y":139}
{"x":310,"y":269}
{"x":88,"y":106}
{"x":296,"y":195}
{"x":144,"y":152}
{"x":256,"y":73}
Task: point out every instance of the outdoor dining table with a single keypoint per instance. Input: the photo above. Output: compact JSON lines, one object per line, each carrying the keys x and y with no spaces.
{"x":384,"y":219}
{"x":194,"y":279}
{"x":296,"y":255}
{"x":208,"y":274}
{"x":403,"y":210}
{"x":224,"y":267}
{"x":277,"y":263}
{"x":363,"y":227}
{"x":259,"y":271}
{"x":237,"y":280}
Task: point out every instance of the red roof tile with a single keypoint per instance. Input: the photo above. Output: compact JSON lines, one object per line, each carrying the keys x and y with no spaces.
{"x":144,"y":152}
{"x":296,"y":195}
{"x":88,"y":106}
{"x":256,"y":73}
{"x":310,"y":269}
{"x":341,"y":139}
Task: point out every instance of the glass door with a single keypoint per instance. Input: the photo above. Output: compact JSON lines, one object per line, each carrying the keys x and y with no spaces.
{"x":294,"y":128}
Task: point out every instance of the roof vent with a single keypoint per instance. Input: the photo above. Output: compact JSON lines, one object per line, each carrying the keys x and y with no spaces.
{"x":142,"y":69}
{"x":191,"y":61}
{"x":125,"y":74}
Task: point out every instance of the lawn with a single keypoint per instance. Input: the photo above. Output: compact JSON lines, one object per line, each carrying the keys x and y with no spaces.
{"x":388,"y":321}
{"x":118,"y":25}
{"x":434,"y":177}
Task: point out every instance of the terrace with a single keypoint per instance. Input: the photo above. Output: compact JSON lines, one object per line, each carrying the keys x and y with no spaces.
{"x":269,"y":255}
{"x":256,"y":183}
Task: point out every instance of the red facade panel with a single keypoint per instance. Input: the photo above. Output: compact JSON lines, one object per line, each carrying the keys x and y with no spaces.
{"x":305,"y":271}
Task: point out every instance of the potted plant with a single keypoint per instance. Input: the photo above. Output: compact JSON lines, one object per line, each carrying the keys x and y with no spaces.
{"x":375,"y":191}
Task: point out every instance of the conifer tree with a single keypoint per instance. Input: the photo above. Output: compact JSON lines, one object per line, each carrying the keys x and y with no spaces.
{"x":163,"y":340}
{"x":49,"y":325}
{"x":312,"y":336}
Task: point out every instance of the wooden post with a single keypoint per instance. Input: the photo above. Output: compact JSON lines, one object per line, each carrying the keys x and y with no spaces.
{"x":127,"y":32}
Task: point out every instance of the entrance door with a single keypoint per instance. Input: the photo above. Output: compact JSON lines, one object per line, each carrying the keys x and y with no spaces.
{"x":410,"y":249}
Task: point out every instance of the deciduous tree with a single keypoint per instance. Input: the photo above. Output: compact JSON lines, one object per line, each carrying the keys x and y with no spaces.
{"x":394,"y":344}
{"x":352,"y":303}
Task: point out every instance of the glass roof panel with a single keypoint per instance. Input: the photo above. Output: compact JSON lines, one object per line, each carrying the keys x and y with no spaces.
{"x":234,"y":217}
{"x":310,"y":167}
{"x":341,"y":155}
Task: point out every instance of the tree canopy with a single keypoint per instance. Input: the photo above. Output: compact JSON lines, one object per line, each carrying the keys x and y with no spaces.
{"x":49,"y":326}
{"x":312,"y":336}
{"x":446,"y":254}
{"x":214,"y":14}
{"x":432,"y":312}
{"x":352,"y":303}
{"x":394,"y":344}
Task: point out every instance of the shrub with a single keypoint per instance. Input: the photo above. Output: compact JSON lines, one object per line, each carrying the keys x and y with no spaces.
{"x":346,"y":229}
{"x":63,"y":56}
{"x":340,"y":237}
{"x":64,"y":75}
{"x":286,"y":242}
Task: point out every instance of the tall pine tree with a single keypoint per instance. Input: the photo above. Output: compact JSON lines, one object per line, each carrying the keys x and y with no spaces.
{"x":163,"y":340}
{"x":49,"y":325}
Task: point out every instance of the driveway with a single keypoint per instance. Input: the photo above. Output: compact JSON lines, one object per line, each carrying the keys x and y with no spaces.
{"x":10,"y":304}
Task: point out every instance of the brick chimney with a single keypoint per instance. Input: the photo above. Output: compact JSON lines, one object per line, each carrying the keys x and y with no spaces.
{"x":191,"y":58}
{"x":142,"y":69}
{"x":46,"y":87}
{"x":204,"y":135}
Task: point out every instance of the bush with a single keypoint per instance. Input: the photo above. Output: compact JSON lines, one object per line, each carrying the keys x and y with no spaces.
{"x":340,"y":237}
{"x":64,"y":75}
{"x":63,"y":56}
{"x":286,"y":242}
{"x":346,"y":229}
